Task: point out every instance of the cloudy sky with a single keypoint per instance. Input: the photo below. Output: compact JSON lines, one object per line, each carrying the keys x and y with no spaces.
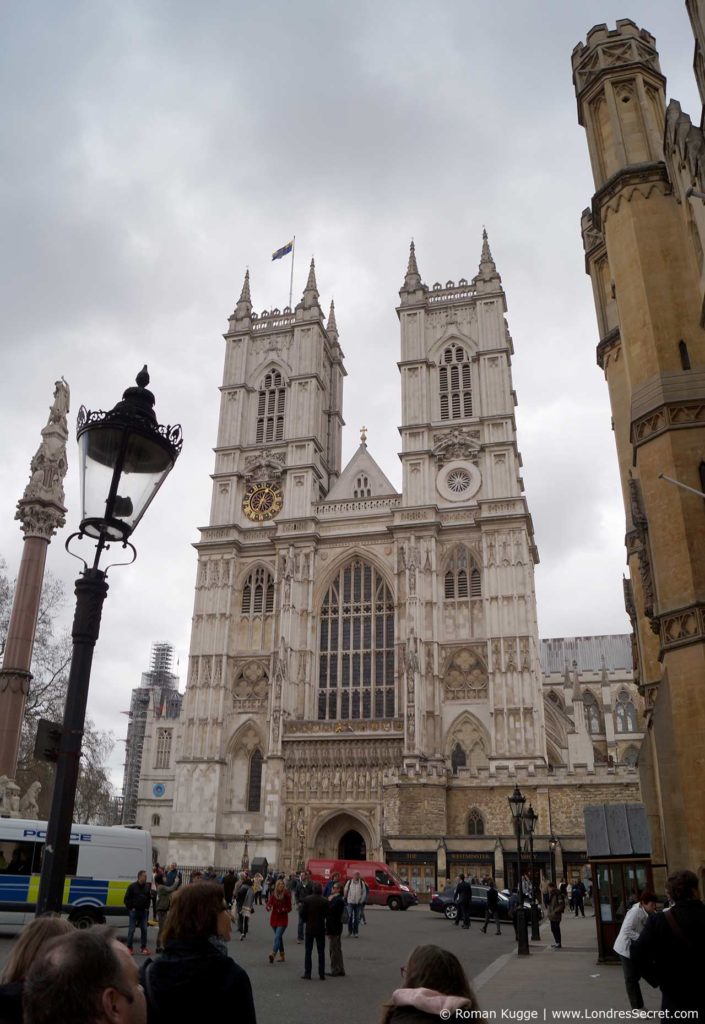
{"x":154,"y":149}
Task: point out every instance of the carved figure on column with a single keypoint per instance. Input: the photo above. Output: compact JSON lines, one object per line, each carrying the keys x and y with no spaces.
{"x":29,"y":804}
{"x":41,"y":508}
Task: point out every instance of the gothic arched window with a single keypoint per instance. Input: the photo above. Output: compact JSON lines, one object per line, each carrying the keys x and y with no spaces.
{"x":625,"y":712}
{"x":356,"y":662}
{"x":163,"y":755}
{"x":455,"y":384}
{"x":630,"y":756}
{"x":458,"y":758}
{"x":462,"y":579}
{"x":476,"y":823}
{"x":270,"y":408}
{"x":254,"y":782}
{"x":592,"y":713}
{"x":258,"y":593}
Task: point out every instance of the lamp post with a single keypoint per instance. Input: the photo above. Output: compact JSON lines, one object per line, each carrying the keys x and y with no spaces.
{"x":552,"y":844}
{"x":530,"y":819}
{"x":125,"y":456}
{"x":245,"y":862}
{"x":516,"y":804}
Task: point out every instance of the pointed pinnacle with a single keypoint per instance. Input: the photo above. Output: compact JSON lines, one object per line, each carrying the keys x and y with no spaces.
{"x":486,"y":256}
{"x":311,"y":285}
{"x":412,"y":268}
{"x":245,"y":293}
{"x":332,"y":326}
{"x":412,"y":280}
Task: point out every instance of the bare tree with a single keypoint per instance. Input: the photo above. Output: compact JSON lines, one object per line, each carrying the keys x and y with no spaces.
{"x":51,"y":658}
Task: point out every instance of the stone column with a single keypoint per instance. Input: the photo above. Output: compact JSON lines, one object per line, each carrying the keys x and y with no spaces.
{"x":41,"y":512}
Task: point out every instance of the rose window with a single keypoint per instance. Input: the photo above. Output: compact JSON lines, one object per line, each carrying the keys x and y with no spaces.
{"x":458,"y":481}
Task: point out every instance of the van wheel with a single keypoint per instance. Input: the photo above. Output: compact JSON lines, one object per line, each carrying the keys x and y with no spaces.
{"x":85,"y":919}
{"x":394,"y":903}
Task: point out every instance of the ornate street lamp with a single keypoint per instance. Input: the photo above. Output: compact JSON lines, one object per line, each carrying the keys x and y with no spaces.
{"x":530,"y":819}
{"x":516,"y":804}
{"x":125,"y":456}
{"x":245,"y":862}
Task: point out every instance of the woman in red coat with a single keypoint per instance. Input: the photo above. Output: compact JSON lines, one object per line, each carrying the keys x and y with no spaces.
{"x":279,"y":905}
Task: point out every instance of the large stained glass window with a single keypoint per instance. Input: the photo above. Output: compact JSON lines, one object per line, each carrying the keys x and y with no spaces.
{"x":356,"y":662}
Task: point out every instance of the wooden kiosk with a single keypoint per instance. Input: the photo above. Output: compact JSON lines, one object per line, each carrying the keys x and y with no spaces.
{"x":619,"y":853}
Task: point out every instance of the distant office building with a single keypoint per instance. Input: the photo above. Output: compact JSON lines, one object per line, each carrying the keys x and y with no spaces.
{"x":159,"y":689}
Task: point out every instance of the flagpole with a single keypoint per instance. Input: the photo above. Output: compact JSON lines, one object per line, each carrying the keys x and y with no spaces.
{"x":291,"y":280}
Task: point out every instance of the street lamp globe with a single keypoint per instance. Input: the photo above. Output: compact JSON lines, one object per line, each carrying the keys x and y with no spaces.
{"x":124,"y":458}
{"x":516,"y":803}
{"x":530,"y":819}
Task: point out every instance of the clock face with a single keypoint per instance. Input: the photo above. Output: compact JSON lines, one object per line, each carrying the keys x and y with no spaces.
{"x":262,"y":501}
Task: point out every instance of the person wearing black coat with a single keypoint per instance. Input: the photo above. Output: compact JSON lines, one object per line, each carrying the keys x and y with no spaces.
{"x":492,"y":910}
{"x":313,"y":913}
{"x":334,"y":930}
{"x":194,"y":979}
{"x":463,"y":896}
{"x":137,"y":899}
{"x":670,"y":952}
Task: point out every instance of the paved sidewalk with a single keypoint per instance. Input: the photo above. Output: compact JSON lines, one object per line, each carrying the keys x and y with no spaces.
{"x":558,"y":979}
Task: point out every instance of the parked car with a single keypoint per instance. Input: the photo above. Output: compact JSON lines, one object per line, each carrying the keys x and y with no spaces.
{"x":443,"y":903}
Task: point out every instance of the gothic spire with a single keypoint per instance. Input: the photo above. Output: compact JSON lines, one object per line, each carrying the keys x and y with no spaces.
{"x":487,"y":270}
{"x":412,"y":280}
{"x":244,"y":303}
{"x":310,"y":296}
{"x":331,"y":325}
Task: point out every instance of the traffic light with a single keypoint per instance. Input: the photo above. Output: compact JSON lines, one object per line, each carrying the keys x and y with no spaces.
{"x":46,"y":745}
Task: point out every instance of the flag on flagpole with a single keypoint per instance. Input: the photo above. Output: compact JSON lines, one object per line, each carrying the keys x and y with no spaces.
{"x":284,"y":251}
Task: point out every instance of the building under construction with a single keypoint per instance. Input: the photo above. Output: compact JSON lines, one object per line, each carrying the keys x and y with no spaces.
{"x":161,"y":686}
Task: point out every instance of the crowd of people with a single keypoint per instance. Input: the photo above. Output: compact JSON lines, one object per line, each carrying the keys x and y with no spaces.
{"x":57,"y":973}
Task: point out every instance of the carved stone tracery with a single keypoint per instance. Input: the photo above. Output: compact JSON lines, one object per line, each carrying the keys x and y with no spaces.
{"x":465,"y":675}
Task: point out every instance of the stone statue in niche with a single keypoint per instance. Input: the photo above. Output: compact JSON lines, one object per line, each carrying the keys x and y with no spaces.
{"x":289,"y":821}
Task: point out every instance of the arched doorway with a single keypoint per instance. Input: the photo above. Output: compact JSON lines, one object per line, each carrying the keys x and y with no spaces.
{"x":343,"y":836}
{"x":352,"y":846}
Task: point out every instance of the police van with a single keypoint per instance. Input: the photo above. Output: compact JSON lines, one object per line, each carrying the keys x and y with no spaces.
{"x":102,"y":862}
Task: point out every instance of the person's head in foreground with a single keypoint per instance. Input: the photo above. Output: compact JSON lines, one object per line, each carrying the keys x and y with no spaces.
{"x":682,"y":885}
{"x":198,"y":912}
{"x":33,"y":938}
{"x":433,"y":980}
{"x":86,"y":977}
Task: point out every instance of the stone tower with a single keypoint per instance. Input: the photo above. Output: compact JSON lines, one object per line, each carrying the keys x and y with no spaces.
{"x":642,"y":253}
{"x":364,"y":674}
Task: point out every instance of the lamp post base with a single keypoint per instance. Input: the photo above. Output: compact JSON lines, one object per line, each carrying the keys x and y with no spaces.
{"x":522,"y":932}
{"x":535,"y":933}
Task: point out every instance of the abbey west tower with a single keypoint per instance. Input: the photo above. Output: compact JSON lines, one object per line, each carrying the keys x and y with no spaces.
{"x":364,"y":674}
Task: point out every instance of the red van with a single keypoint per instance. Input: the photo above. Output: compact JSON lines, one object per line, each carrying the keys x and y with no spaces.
{"x":385,"y":889}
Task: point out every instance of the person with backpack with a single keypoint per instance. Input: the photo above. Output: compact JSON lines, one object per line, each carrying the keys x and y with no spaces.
{"x":355,"y":894}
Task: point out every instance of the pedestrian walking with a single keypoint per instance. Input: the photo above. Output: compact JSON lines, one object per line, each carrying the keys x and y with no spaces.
{"x":355,"y":893}
{"x":492,"y":909}
{"x":334,"y":930}
{"x":632,"y":927}
{"x":670,"y":952}
{"x":463,"y":895}
{"x":229,"y":880}
{"x":279,"y":907}
{"x":194,"y":979}
{"x":257,"y":883}
{"x":303,"y":887}
{"x":578,"y":898}
{"x":435,"y":988}
{"x":328,"y":888}
{"x":512,"y":910}
{"x":245,"y":907}
{"x":556,"y":909}
{"x":456,"y":901}
{"x":137,"y":900}
{"x":164,"y":893}
{"x":314,"y":911}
